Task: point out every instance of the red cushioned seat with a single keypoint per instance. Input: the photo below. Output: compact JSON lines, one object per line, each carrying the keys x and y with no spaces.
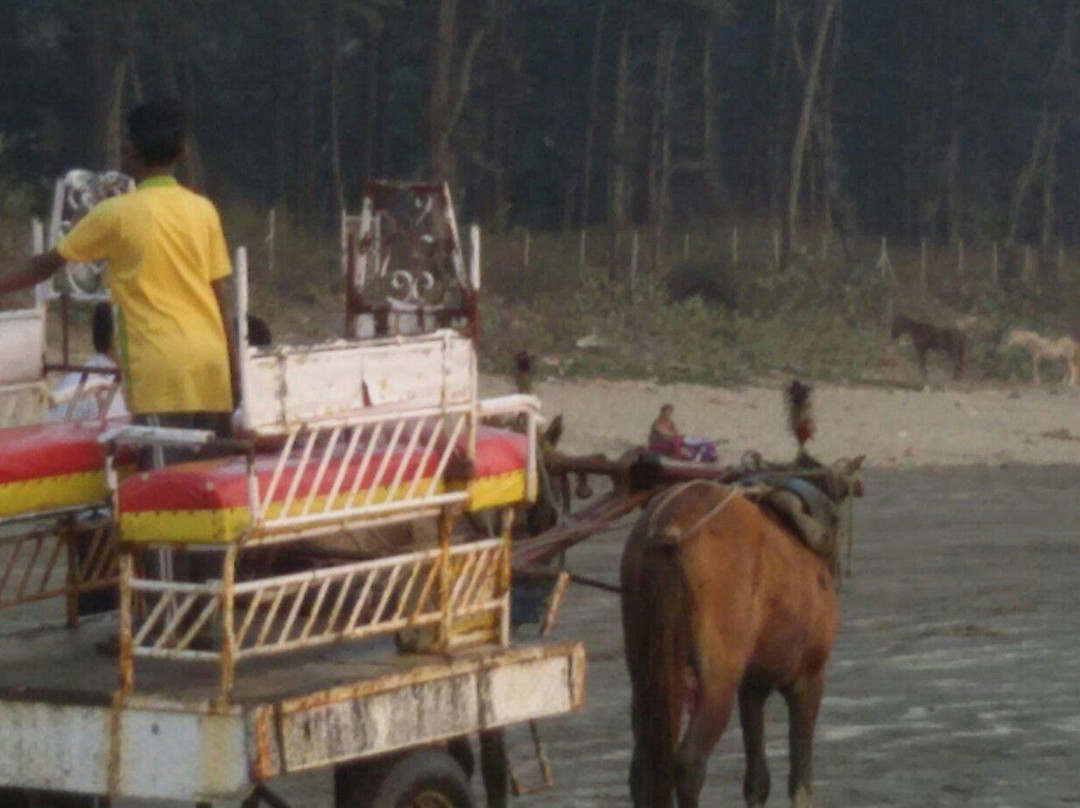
{"x":49,"y":466}
{"x":207,"y":501}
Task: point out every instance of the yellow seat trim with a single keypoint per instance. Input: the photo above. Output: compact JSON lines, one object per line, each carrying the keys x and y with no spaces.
{"x":51,"y":493}
{"x":497,"y":491}
{"x":221,"y":526}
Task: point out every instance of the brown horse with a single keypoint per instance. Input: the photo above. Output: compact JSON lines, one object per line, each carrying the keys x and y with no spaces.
{"x":927,"y":337}
{"x":720,"y":601}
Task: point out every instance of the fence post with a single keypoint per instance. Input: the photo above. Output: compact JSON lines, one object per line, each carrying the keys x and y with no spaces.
{"x":271,"y":241}
{"x":581,"y":253}
{"x":686,"y":246}
{"x":884,"y":264}
{"x":1027,"y":263}
{"x":922,"y":270}
{"x":633,"y":262}
{"x":734,"y":245}
{"x":525,"y":257}
{"x":1061,"y":262}
{"x":960,"y":259}
{"x":825,"y":237}
{"x":613,"y":258}
{"x":995,"y":266}
{"x":776,"y":247}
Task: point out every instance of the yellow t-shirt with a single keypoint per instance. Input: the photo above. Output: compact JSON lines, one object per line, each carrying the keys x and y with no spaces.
{"x":164,"y":248}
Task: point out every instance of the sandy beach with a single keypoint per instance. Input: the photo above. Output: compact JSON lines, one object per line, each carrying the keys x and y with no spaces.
{"x":894,"y":428}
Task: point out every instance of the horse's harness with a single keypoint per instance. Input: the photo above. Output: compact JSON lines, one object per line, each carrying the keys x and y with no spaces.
{"x":733,"y":491}
{"x":816,"y":502}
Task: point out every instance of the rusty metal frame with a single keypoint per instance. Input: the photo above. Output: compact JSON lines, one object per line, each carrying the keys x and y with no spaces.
{"x":273,"y":726}
{"x":450,"y":589}
{"x":306,"y":610}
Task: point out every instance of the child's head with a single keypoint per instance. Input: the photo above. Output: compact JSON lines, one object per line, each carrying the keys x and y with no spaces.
{"x":157,"y":130}
{"x":102,"y":329}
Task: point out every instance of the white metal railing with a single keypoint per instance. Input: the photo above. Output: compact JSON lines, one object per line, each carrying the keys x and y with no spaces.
{"x":305,"y":610}
{"x":90,"y":398}
{"x":53,"y":559}
{"x":368,"y":466}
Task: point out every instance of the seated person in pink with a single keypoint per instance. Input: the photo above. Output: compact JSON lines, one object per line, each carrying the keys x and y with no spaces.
{"x":664,"y":437}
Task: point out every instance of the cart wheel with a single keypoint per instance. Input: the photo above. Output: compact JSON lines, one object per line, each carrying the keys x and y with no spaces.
{"x":426,"y":778}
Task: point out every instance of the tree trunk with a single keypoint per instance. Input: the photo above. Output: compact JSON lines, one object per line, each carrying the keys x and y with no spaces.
{"x":709,"y":150}
{"x":837,"y":212}
{"x":1043,"y":135}
{"x":305,"y":163}
{"x":773,"y":127}
{"x":802,"y":131}
{"x":1027,"y":175}
{"x":665,"y":54}
{"x":663,"y":203}
{"x":1050,"y":182}
{"x":114,"y":120}
{"x":131,"y":32}
{"x":372,"y":100}
{"x":952,"y":170}
{"x":337,"y":20}
{"x":192,"y":154}
{"x":504,"y":111}
{"x":590,"y":123}
{"x":619,"y":145}
{"x":450,"y":86}
{"x":439,"y":101}
{"x":281,"y":139}
{"x":109,"y":67}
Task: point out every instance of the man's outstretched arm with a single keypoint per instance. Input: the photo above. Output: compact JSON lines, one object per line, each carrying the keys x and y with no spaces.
{"x":38,"y":269}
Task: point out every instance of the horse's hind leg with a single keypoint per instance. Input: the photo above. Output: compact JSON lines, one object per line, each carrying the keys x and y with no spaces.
{"x":702,"y":734}
{"x":752,"y":716}
{"x":804,"y":701}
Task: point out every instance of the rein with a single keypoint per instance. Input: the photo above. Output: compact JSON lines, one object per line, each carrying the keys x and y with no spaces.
{"x":732,"y":492}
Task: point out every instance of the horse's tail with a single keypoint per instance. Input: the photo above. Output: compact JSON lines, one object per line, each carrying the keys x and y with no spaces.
{"x":657,"y":639}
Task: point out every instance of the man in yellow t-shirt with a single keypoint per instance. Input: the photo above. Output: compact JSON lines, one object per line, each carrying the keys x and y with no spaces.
{"x":166,"y":266}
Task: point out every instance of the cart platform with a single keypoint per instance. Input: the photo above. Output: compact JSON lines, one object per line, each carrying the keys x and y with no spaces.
{"x":64,"y":728}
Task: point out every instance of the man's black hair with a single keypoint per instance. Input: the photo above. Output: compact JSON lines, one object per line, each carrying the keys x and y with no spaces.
{"x":102,"y":328}
{"x":157,"y":130}
{"x":258,"y":332}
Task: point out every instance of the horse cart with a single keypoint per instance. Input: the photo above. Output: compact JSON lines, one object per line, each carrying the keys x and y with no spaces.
{"x":337,"y":588}
{"x":238,"y":657}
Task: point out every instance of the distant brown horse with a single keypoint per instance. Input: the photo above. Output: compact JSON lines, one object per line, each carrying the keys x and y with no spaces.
{"x":926,"y":337}
{"x":719,"y":601}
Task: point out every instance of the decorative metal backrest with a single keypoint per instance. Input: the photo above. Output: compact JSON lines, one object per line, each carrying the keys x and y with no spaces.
{"x":405,"y":268}
{"x":77,"y":192}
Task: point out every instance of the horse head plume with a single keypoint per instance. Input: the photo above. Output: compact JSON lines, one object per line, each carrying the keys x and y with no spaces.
{"x":800,"y":412}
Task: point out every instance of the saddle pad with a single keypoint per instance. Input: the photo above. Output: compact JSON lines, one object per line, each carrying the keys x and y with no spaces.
{"x":51,"y":466}
{"x":206,"y":502}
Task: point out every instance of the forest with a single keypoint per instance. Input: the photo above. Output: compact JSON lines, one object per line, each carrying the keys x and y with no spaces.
{"x":794,"y":171}
{"x":937,"y":119}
